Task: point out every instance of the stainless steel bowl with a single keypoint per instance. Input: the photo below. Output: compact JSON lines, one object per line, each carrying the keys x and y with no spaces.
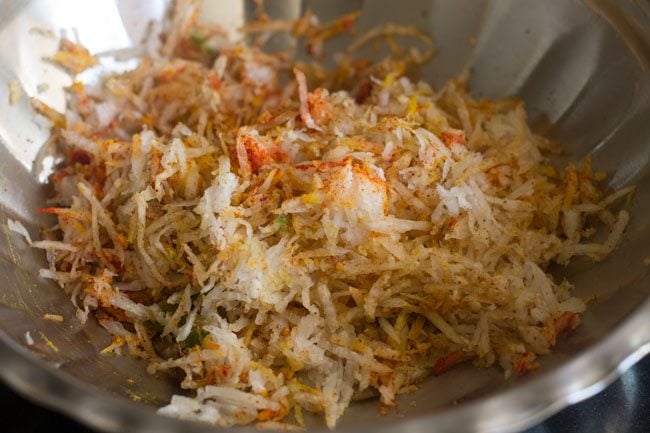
{"x":581,"y":66}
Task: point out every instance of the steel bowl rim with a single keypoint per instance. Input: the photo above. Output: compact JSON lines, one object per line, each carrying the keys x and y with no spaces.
{"x":511,"y":410}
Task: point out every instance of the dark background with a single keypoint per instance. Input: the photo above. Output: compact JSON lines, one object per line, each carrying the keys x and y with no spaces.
{"x":624,"y":407}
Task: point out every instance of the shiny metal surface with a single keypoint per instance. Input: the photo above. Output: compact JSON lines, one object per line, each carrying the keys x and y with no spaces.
{"x":583,"y":68}
{"x":622,"y":407}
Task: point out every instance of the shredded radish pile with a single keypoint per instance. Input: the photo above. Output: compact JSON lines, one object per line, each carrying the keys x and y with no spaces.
{"x":291,"y":238}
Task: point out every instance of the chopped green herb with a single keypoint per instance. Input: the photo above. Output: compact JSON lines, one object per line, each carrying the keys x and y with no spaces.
{"x":195,"y":338}
{"x":200,"y":42}
{"x":283,"y":222}
{"x":198,"y":39}
{"x":210,"y":51}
